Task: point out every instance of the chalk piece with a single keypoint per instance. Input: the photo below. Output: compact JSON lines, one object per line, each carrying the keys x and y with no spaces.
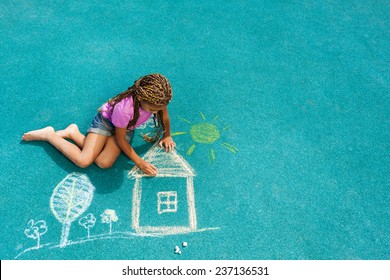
{"x":185,"y":244}
{"x":177,"y":250}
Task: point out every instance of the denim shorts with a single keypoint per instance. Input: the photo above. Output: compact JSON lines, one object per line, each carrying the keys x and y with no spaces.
{"x":103,"y":126}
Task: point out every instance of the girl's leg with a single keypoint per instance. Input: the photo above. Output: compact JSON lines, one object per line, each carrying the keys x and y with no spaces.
{"x":93,"y":145}
{"x":106,"y":158}
{"x":109,"y":154}
{"x":72,"y":132}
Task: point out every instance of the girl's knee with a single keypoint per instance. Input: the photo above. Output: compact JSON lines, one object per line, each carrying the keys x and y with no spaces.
{"x":84,"y":162}
{"x":104,"y":164}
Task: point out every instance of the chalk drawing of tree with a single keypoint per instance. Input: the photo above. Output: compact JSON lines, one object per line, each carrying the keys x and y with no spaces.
{"x":35,"y":230}
{"x":88,"y":222}
{"x":70,"y":199}
{"x":108,"y":217}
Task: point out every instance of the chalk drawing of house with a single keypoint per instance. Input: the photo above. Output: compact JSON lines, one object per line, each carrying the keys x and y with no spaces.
{"x":164,"y":204}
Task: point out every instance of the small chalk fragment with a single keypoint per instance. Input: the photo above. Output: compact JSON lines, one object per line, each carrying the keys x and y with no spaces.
{"x":177,"y":250}
{"x":185,"y":244}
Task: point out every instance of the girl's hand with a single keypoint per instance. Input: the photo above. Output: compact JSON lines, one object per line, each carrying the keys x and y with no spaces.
{"x":148,"y":168}
{"x":167,"y":143}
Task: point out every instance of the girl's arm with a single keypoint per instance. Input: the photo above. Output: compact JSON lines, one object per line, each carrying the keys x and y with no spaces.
{"x":167,"y":141}
{"x":120,"y":137}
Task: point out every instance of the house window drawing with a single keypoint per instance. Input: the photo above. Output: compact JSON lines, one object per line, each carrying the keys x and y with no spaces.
{"x":164,"y":204}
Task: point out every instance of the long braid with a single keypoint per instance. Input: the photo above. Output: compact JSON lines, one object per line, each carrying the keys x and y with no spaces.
{"x":136,"y":112}
{"x":116,"y":99}
{"x":159,"y":126}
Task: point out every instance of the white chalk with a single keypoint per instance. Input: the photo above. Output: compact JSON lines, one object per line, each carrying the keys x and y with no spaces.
{"x":177,"y":250}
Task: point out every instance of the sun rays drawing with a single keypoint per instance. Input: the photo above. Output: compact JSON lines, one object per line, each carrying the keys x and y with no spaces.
{"x":207,"y":133}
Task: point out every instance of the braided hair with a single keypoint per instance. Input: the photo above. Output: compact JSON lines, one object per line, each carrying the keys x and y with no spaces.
{"x":153,"y":88}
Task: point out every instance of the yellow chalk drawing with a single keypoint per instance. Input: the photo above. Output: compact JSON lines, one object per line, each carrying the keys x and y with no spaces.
{"x":178,"y":133}
{"x":184,"y":120}
{"x":191,"y":149}
{"x":212,"y":155}
{"x":230,"y":147}
{"x":207,"y":133}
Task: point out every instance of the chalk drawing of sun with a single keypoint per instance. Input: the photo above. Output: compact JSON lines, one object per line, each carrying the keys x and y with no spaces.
{"x":206,"y":133}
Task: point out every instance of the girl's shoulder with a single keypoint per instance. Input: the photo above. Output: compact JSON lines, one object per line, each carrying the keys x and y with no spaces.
{"x":126,"y":102}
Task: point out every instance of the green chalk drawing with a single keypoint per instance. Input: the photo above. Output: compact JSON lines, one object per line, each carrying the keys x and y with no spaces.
{"x":212,"y":155}
{"x":184,"y":120}
{"x":205,"y":133}
{"x":230,"y":147}
{"x":178,"y":133}
{"x":191,"y":149}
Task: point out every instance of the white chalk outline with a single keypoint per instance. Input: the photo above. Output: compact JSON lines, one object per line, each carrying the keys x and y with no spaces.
{"x":168,"y":165}
{"x":169,"y":204}
{"x":36,"y":229}
{"x":70,"y":199}
{"x":117,"y":235}
{"x":78,"y":192}
{"x":108,"y":217}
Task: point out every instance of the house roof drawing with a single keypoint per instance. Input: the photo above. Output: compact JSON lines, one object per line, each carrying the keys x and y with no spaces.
{"x":168,"y":164}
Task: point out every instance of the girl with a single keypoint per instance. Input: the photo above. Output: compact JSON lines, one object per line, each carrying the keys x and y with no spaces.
{"x":110,"y":130}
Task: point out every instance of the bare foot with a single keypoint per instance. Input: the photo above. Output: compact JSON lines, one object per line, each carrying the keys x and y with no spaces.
{"x":67,"y":132}
{"x":40,"y":134}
